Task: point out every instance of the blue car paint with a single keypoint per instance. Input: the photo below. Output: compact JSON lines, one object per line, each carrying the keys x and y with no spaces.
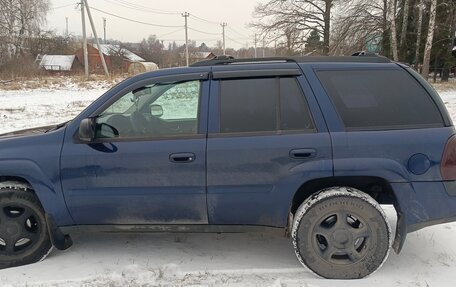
{"x":37,"y":159}
{"x":250,"y":179}
{"x":134,"y":181}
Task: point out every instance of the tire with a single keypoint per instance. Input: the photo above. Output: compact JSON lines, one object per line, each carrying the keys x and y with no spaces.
{"x":24,"y":237}
{"x":341,"y":233}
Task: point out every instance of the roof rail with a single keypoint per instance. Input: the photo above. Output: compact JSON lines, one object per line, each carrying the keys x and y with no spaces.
{"x":358,"y":57}
{"x":226,"y":60}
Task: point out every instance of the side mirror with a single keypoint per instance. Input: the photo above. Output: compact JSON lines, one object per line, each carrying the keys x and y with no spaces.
{"x":156,"y":111}
{"x":87,"y":130}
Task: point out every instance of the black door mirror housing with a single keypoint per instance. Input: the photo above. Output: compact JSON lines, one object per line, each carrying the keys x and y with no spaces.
{"x":87,"y":130}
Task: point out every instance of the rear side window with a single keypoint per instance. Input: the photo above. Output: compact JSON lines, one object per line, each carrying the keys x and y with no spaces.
{"x":380,"y":99}
{"x":262,"y":105}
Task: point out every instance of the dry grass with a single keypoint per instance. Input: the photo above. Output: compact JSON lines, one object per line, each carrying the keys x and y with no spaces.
{"x":59,"y":82}
{"x":445,"y":86}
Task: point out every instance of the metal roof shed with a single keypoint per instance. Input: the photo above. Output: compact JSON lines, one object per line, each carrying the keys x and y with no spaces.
{"x":57,"y":62}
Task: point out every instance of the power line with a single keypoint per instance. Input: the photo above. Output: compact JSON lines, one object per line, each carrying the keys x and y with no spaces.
{"x":140,"y":8}
{"x":162,"y":35}
{"x":63,"y":6}
{"x":199,"y":31}
{"x":236,"y":32}
{"x":233,"y":40}
{"x":135,"y":21}
{"x":205,"y":20}
{"x":183,"y":40}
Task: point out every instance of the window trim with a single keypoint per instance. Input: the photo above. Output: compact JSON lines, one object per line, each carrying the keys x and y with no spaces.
{"x":246,"y":74}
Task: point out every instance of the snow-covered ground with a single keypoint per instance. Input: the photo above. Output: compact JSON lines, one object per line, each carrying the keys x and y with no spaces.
{"x":428,"y":258}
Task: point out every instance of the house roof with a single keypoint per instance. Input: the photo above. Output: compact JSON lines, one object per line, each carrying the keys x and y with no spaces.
{"x":57,"y":62}
{"x":204,"y":55}
{"x":109,"y":49}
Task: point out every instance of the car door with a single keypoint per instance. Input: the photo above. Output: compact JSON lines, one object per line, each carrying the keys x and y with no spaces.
{"x":266,"y":138}
{"x":147,"y":163}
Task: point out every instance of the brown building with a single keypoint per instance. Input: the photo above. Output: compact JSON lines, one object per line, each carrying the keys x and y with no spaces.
{"x":115,"y":56}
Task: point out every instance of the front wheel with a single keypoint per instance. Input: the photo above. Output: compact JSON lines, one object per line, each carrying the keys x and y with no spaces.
{"x":24,"y":237}
{"x":341,"y":233}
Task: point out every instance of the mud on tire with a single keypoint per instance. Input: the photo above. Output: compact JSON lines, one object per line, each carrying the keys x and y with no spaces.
{"x":341,"y":233}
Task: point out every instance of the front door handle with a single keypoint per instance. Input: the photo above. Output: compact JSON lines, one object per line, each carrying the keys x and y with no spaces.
{"x":304,"y":153}
{"x":182,"y":157}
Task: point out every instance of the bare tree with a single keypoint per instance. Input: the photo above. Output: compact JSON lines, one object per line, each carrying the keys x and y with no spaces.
{"x":419,"y":28}
{"x":405,"y":16}
{"x":394,"y":46}
{"x":429,"y":39}
{"x":151,"y":49}
{"x":299,"y":17}
{"x":351,"y":30}
{"x":362,"y":22}
{"x":20,"y":19}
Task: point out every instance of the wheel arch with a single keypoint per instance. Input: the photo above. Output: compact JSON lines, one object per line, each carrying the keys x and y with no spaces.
{"x":376,"y":187}
{"x":16,"y":182}
{"x":47,"y":188}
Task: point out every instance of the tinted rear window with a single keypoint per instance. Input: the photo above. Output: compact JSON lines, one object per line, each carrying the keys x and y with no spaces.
{"x":294,"y":111}
{"x":380,"y":99}
{"x":265,"y":104}
{"x":249,"y":105}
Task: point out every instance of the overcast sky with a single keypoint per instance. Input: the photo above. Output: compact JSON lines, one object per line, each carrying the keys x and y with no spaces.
{"x":206,"y":16}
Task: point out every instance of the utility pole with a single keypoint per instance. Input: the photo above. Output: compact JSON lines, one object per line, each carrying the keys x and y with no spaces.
{"x":66,"y":29}
{"x":84,"y":42}
{"x":186,"y":15}
{"x":264,"y":45}
{"x":256,"y":45}
{"x":275,"y":47}
{"x":96,"y":39}
{"x":224,"y":43}
{"x":104,"y":30}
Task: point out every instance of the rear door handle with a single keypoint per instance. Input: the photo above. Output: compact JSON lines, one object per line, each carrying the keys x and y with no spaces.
{"x":182,"y":157}
{"x":304,"y":153}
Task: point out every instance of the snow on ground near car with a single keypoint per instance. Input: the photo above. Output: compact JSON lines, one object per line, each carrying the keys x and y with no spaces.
{"x":428,"y":257}
{"x":24,"y":109}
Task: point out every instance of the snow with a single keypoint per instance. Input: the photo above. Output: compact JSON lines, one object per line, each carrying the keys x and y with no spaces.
{"x":165,"y":259}
{"x":25,"y":109}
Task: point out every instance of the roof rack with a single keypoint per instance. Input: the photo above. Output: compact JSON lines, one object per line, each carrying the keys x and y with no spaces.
{"x":358,"y":57}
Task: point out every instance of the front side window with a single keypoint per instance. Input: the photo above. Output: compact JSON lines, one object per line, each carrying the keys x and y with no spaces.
{"x":158,"y":110}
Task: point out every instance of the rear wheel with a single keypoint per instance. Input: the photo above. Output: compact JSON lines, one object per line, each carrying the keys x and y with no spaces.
{"x":341,"y":233}
{"x":24,"y":237}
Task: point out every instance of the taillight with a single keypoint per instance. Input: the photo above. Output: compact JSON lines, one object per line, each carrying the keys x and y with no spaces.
{"x":448,"y":163}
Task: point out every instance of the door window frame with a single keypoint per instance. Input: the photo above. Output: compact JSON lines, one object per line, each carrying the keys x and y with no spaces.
{"x":214,"y":131}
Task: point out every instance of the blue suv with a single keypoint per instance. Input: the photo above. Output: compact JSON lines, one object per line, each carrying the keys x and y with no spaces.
{"x":311,"y":146}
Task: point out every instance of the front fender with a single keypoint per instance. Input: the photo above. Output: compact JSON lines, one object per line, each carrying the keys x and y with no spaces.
{"x":47,"y":189}
{"x":36,"y":159}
